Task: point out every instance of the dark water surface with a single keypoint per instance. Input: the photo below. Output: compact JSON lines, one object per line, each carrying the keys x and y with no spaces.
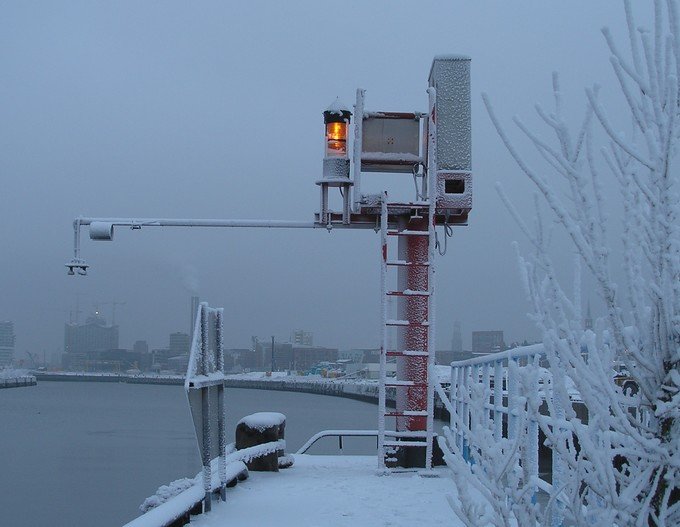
{"x":87,"y":454}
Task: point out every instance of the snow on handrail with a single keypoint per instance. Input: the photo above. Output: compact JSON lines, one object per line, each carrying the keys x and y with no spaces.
{"x":250,"y":453}
{"x":173,"y":508}
{"x":514,"y":353}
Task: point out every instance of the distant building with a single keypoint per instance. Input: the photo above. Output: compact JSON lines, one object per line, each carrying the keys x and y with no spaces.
{"x":230,"y":356}
{"x":115,"y":360}
{"x":94,"y":335}
{"x":487,"y":341}
{"x":246,"y":360}
{"x":446,"y":357}
{"x":372,"y":356}
{"x":141,"y":346}
{"x":83,"y":341}
{"x":353,"y":355}
{"x":180,"y":344}
{"x":457,"y":340}
{"x":372,"y":370}
{"x":159,"y":359}
{"x":305,"y":357}
{"x":7,"y":339}
{"x":178,"y":364}
{"x":289,"y":356}
{"x":300,"y":336}
{"x":266,"y":358}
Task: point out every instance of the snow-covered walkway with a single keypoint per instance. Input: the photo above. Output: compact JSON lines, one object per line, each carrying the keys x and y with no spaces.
{"x":338,"y":491}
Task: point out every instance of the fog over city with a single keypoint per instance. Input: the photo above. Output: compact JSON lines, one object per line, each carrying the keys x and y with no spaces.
{"x":214,"y":110}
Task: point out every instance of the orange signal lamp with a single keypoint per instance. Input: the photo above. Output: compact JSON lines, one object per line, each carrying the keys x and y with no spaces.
{"x":336,"y":139}
{"x":337,"y":119}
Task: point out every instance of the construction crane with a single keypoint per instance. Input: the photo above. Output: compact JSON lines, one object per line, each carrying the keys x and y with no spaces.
{"x":113,"y":305}
{"x":34,"y":360}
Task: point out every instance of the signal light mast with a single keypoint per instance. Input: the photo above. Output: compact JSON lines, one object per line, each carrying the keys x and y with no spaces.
{"x":434,"y":148}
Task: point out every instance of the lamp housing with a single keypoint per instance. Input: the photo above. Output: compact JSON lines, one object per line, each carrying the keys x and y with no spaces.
{"x":336,"y":119}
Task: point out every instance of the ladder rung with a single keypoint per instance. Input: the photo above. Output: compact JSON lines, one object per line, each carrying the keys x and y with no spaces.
{"x":408,"y":233}
{"x":407,"y":353}
{"x":405,"y":443}
{"x":407,"y":413}
{"x":406,"y":323}
{"x":408,"y":292}
{"x":404,"y":263}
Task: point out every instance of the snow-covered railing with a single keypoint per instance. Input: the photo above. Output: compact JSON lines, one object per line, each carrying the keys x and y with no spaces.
{"x":351,"y":433}
{"x":176,"y":500}
{"x":491,"y":392}
{"x":501,"y":399}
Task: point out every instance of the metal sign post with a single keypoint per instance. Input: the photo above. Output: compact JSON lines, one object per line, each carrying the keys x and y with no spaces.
{"x":204,"y":385}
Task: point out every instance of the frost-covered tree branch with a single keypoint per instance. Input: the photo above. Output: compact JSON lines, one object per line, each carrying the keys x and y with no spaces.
{"x":623,"y":464}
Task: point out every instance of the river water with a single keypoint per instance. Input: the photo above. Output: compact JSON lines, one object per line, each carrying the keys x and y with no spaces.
{"x":87,"y":454}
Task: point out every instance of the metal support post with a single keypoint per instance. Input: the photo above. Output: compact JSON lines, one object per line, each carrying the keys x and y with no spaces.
{"x":466,"y":412}
{"x":358,"y":146}
{"x":513,"y":394}
{"x":532,"y":433}
{"x":205,"y":405}
{"x":498,"y":400}
{"x":221,"y":416}
{"x":383,"y":332}
{"x":558,"y":465}
{"x":272,"y":364}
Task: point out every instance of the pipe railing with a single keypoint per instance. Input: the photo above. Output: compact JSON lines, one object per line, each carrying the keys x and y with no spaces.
{"x":503,"y":400}
{"x":340,"y":434}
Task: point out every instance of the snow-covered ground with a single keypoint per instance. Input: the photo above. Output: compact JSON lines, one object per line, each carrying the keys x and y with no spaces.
{"x":338,"y":491}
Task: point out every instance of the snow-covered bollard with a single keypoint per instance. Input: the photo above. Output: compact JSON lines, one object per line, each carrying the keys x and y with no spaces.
{"x":257,"y":429}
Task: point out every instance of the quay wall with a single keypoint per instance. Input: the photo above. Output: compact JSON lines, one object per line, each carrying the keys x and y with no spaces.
{"x":113,"y":377}
{"x":18,"y":382}
{"x":361,"y":391}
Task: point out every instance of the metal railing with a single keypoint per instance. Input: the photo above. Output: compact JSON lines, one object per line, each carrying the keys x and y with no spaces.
{"x":340,"y":434}
{"x":188,"y":501}
{"x":502,"y":397}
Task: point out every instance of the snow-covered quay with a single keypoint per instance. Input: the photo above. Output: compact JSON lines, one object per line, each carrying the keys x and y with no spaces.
{"x":335,"y":490}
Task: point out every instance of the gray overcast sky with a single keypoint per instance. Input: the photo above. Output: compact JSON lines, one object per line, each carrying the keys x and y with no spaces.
{"x":213,"y":110}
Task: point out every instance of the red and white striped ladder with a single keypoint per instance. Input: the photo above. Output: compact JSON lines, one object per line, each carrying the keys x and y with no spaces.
{"x":415,"y":410}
